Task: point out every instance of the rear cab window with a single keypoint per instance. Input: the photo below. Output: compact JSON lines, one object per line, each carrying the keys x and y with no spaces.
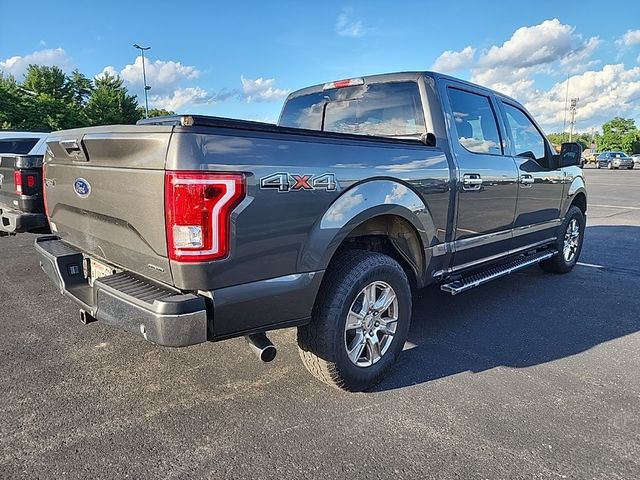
{"x":392,"y":109}
{"x":17,"y":146}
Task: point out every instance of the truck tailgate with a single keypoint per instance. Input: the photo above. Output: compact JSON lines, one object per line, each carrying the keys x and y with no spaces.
{"x":8,"y":196}
{"x":104,"y":191}
{"x":28,"y":169}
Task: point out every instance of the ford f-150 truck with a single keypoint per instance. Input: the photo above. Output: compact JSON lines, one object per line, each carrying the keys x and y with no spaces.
{"x":189,"y":228}
{"x":21,"y":206}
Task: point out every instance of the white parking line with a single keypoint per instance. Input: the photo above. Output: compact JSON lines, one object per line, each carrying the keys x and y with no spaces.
{"x":589,"y":265}
{"x":615,"y":206}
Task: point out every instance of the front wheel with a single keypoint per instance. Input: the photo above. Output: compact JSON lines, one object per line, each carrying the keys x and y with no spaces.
{"x":360,"y":321}
{"x":568,"y":244}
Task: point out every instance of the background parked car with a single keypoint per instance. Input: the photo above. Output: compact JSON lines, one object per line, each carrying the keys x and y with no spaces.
{"x":21,"y":200}
{"x":589,"y":155}
{"x":615,"y":160}
{"x":22,"y":143}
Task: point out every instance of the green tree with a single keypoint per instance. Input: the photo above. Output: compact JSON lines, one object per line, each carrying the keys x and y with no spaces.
{"x":11,"y":103}
{"x":51,"y":81}
{"x":157,"y":112}
{"x":48,"y":100}
{"x":110,"y":103}
{"x":81,"y":87}
{"x":620,"y":134}
{"x":583,"y":139}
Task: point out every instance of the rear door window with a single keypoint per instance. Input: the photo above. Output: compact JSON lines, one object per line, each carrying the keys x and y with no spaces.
{"x":380,"y":109}
{"x":475,"y":122}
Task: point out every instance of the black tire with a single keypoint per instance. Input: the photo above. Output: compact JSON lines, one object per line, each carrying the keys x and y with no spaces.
{"x":558,"y":263}
{"x":321,"y":343}
{"x":597,"y":165}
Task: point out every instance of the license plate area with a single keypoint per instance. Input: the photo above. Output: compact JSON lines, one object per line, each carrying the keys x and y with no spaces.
{"x":96,"y":270}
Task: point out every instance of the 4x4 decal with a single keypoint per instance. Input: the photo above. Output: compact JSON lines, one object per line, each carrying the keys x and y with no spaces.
{"x":293,"y":182}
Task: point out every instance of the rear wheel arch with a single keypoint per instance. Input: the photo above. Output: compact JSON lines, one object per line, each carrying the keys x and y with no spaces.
{"x":377,"y":209}
{"x":391,"y":235}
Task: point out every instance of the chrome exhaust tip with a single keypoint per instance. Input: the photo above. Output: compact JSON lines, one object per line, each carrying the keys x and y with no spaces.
{"x":261,"y":346}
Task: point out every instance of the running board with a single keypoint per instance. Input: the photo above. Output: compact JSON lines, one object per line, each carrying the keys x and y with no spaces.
{"x":463,"y":284}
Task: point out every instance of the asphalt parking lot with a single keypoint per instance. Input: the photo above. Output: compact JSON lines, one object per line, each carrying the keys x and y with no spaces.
{"x":532,"y":376}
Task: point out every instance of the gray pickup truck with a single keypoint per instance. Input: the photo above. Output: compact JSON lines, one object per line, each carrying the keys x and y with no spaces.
{"x":21,"y":203}
{"x":188,"y":228}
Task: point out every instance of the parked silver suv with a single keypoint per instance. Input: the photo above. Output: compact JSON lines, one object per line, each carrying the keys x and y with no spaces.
{"x":615,"y":160}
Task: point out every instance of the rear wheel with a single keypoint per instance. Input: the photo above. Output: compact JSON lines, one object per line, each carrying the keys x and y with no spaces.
{"x":360,"y":321}
{"x":569,"y":243}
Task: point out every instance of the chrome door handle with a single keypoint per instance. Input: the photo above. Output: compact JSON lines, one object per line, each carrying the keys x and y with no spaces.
{"x":526,"y":180}
{"x":471,"y":181}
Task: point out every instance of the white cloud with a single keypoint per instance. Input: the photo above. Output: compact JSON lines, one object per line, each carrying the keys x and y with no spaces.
{"x":17,"y":65}
{"x":632,"y":37}
{"x":167,"y":80}
{"x":181,"y":97}
{"x":451,"y":61}
{"x":603,"y":94}
{"x":162,"y":75}
{"x":108,"y":70}
{"x":346,"y":26}
{"x":535,"y":45}
{"x":544,"y":48}
{"x":551,"y":50}
{"x":262,"y":90}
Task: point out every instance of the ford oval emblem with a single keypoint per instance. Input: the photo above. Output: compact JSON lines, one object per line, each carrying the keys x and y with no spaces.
{"x":82,"y":187}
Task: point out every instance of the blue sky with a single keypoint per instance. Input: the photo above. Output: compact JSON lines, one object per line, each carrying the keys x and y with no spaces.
{"x":239,"y":59}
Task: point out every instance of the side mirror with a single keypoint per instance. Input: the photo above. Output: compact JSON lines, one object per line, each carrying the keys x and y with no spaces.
{"x":570,"y":154}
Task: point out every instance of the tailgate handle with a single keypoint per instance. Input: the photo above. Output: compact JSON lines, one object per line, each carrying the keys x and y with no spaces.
{"x":71,"y":147}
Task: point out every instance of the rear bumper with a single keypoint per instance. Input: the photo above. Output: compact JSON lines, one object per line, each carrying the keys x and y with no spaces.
{"x":157,"y":313}
{"x":166,"y":316}
{"x":15,"y":221}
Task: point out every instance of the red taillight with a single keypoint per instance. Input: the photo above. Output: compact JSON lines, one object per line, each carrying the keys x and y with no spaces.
{"x":24,"y":182}
{"x":31,"y":180}
{"x":198,"y":209}
{"x":44,"y":188}
{"x":17,"y":181}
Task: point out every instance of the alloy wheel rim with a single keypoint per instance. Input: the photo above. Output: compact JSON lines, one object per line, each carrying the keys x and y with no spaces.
{"x":571,"y":240}
{"x":371,"y":324}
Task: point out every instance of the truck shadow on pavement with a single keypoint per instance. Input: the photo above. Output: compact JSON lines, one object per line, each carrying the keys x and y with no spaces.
{"x":527,"y":318}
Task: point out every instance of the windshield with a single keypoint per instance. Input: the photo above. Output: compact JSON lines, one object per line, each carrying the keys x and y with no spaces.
{"x":18,"y":146}
{"x":380,"y":109}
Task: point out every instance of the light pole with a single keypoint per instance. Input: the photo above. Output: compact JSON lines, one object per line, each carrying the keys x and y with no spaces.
{"x":144,"y":79}
{"x":574,"y":107}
